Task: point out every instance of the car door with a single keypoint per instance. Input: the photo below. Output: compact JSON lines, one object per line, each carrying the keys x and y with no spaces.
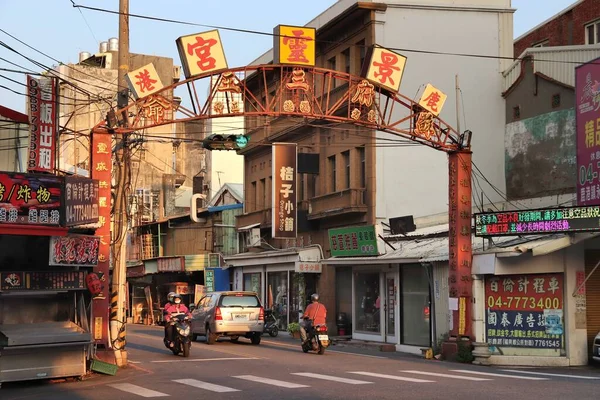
{"x":197,"y":319}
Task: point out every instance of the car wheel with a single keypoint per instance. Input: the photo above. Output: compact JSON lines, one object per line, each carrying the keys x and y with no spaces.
{"x":255,"y":339}
{"x":211,"y":338}
{"x":234,"y":339}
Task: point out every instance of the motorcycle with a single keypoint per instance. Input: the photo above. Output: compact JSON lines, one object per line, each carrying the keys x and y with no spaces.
{"x":317,"y":338}
{"x":182,"y":342}
{"x":270,"y":326}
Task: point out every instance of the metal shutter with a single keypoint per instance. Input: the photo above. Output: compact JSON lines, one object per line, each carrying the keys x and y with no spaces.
{"x":592,"y":290}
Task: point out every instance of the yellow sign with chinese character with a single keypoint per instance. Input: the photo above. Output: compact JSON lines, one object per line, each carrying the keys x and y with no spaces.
{"x":201,"y":53}
{"x":385,"y":68}
{"x":294,"y":45}
{"x":144,"y":81}
{"x":433,"y":100}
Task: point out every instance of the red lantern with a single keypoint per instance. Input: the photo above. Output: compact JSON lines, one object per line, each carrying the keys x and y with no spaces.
{"x":94,"y":284}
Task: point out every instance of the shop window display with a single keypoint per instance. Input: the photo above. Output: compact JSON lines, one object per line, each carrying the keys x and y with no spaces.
{"x":367,"y":302}
{"x":416,"y":327}
{"x":277,"y":286}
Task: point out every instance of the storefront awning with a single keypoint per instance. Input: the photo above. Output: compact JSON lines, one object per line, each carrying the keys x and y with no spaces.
{"x":248,"y":227}
{"x":273,"y":257}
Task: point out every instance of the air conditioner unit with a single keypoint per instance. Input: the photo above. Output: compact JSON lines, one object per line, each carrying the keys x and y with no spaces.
{"x":253,"y":238}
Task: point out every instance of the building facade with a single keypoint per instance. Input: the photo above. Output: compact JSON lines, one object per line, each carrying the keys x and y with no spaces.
{"x":14,"y":140}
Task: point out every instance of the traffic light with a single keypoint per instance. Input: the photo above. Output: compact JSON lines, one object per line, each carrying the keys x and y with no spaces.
{"x":225,"y":142}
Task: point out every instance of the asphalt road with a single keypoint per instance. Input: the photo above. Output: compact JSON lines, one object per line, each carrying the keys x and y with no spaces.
{"x":277,"y":369}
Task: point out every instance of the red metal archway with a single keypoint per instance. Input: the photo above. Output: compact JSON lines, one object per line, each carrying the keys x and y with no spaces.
{"x":270,"y":92}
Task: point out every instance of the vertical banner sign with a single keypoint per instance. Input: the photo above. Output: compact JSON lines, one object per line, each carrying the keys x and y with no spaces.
{"x":101,"y":171}
{"x":284,"y":221}
{"x":587,"y":126}
{"x":525,"y":311}
{"x":460,"y":250}
{"x":43,"y":123}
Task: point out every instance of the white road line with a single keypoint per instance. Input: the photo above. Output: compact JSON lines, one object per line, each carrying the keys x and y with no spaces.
{"x":547,"y":374}
{"x":134,"y":362}
{"x":328,"y":351}
{"x":531,"y":378}
{"x":206,"y":359}
{"x":273,"y":382}
{"x":140,"y":391}
{"x":331,"y":378}
{"x":206,"y":386}
{"x":394,"y":377}
{"x":466,"y":378}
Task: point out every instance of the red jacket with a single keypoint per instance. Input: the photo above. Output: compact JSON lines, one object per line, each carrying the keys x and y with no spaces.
{"x":176,"y":308}
{"x":317,"y":313}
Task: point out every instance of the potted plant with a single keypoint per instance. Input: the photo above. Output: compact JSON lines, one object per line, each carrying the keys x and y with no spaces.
{"x":294,"y":330}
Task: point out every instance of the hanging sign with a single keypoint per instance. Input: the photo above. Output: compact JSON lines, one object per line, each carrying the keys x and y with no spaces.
{"x":433,"y":99}
{"x":81,"y":201}
{"x":74,"y":250}
{"x":144,"y":81}
{"x":294,"y":45}
{"x":71,"y":280}
{"x":43,"y":123}
{"x":201,"y":53}
{"x":284,"y":213}
{"x":384,"y":67}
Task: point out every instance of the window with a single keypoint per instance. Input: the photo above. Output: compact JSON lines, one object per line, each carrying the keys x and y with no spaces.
{"x":592,"y":33}
{"x":346,"y":158}
{"x":241,"y":300}
{"x":556,"y":100}
{"x":362,"y":50}
{"x":253,"y":196}
{"x":302,"y":193}
{"x":543,"y":43}
{"x":363,"y":167}
{"x":331,"y":66}
{"x":346,"y":57}
{"x":415,"y":303}
{"x":252,"y":282}
{"x":516,"y":113}
{"x":332,"y":172}
{"x":366,"y":292}
{"x":263,"y":192}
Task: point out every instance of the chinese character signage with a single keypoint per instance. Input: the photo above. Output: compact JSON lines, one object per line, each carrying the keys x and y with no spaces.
{"x":312,"y":267}
{"x":81,"y":201}
{"x":34,"y":199}
{"x":201,"y":53}
{"x":525,"y":311}
{"x":70,"y":280}
{"x":209,"y":280}
{"x":385,"y":68}
{"x":74,"y":250}
{"x":294,"y":45}
{"x":433,"y":100}
{"x":144,"y":81}
{"x":587,"y":126}
{"x":353,"y":241}
{"x":285,"y":161}
{"x":43,"y":123}
{"x":550,"y":220}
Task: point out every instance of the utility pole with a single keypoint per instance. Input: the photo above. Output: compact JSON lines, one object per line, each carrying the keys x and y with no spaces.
{"x":118,"y":298}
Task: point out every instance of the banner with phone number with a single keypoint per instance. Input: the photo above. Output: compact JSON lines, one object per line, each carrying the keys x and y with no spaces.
{"x":525,"y":311}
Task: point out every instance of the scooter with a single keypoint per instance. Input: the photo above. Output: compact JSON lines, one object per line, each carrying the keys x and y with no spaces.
{"x":317,"y":338}
{"x":182,"y":342}
{"x":270,"y":324}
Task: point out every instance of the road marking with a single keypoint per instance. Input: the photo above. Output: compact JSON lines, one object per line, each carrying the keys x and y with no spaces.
{"x":206,"y":359}
{"x":548,"y":374}
{"x":466,"y":378}
{"x":329,"y":351}
{"x":206,"y":386}
{"x":134,"y":362}
{"x":140,"y":391}
{"x":331,"y":378}
{"x":273,"y":382}
{"x":531,"y":378}
{"x":394,"y":377}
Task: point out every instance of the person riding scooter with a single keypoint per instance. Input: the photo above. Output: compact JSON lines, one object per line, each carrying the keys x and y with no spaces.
{"x":174,"y":308}
{"x":167,"y":304}
{"x":315,"y":314}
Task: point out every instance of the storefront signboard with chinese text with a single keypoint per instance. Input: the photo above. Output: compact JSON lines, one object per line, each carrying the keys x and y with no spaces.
{"x":69,"y":280}
{"x":74,"y":250}
{"x":201,"y":53}
{"x":433,"y":99}
{"x":294,"y":45}
{"x":353,"y":241}
{"x":144,"y":81}
{"x":209,"y":280}
{"x":34,"y":199}
{"x":312,"y":267}
{"x":285,"y":215}
{"x":136,"y":271}
{"x":43,"y":123}
{"x":525,"y":311}
{"x":587,"y":128}
{"x":81,"y":201}
{"x":547,"y":220}
{"x":384,"y":67}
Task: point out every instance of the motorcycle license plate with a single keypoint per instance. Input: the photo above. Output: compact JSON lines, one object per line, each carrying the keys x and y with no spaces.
{"x":323,"y":337}
{"x":240,"y":317}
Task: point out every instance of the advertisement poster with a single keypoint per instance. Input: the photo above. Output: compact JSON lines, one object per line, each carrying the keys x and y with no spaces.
{"x":525,"y":311}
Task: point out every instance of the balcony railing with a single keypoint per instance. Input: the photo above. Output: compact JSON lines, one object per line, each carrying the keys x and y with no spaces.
{"x":347,"y":201}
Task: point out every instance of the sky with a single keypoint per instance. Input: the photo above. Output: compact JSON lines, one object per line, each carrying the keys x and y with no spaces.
{"x":61,"y":31}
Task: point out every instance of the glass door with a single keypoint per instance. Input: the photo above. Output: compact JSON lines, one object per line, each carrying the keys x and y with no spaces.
{"x":390,"y":305}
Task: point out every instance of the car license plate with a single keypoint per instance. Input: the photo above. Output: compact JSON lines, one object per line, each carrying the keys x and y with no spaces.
{"x":240,"y":317}
{"x":323,"y":337}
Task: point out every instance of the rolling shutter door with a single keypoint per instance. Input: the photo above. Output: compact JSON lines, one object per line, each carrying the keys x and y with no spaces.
{"x":592,"y":291}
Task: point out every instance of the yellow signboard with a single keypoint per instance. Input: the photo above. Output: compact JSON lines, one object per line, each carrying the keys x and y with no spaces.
{"x":385,"y":68}
{"x":433,"y":100}
{"x":144,"y":81}
{"x":201,"y":53}
{"x":294,"y":45}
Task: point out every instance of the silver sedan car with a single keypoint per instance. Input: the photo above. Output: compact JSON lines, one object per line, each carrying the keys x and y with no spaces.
{"x":596,"y":348}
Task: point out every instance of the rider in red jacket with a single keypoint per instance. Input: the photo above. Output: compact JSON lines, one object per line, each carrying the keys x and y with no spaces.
{"x":175,"y":307}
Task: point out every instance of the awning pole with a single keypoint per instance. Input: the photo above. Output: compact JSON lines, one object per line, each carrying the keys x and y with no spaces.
{"x":585,"y":280}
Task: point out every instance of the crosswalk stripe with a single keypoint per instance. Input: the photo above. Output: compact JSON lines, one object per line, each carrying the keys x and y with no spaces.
{"x":205,"y":385}
{"x":531,"y":378}
{"x":394,"y":377}
{"x":140,"y":391}
{"x":466,"y":378}
{"x":548,"y":374}
{"x":273,"y":382}
{"x":331,"y":378}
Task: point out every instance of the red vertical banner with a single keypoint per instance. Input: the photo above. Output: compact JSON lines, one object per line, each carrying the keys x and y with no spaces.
{"x":101,"y":170}
{"x":43,"y":123}
{"x":460,"y":242}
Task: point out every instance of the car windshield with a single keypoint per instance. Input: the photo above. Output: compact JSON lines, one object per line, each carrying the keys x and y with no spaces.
{"x":240,"y":300}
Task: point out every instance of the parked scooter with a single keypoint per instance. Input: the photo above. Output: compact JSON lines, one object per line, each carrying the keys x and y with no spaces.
{"x":270,"y":326}
{"x":317,"y":338}
{"x":182,"y":342}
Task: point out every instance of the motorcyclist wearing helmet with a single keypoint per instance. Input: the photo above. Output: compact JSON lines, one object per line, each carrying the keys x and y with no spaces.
{"x":174,"y":308}
{"x":167,"y":305}
{"x":315,"y":314}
